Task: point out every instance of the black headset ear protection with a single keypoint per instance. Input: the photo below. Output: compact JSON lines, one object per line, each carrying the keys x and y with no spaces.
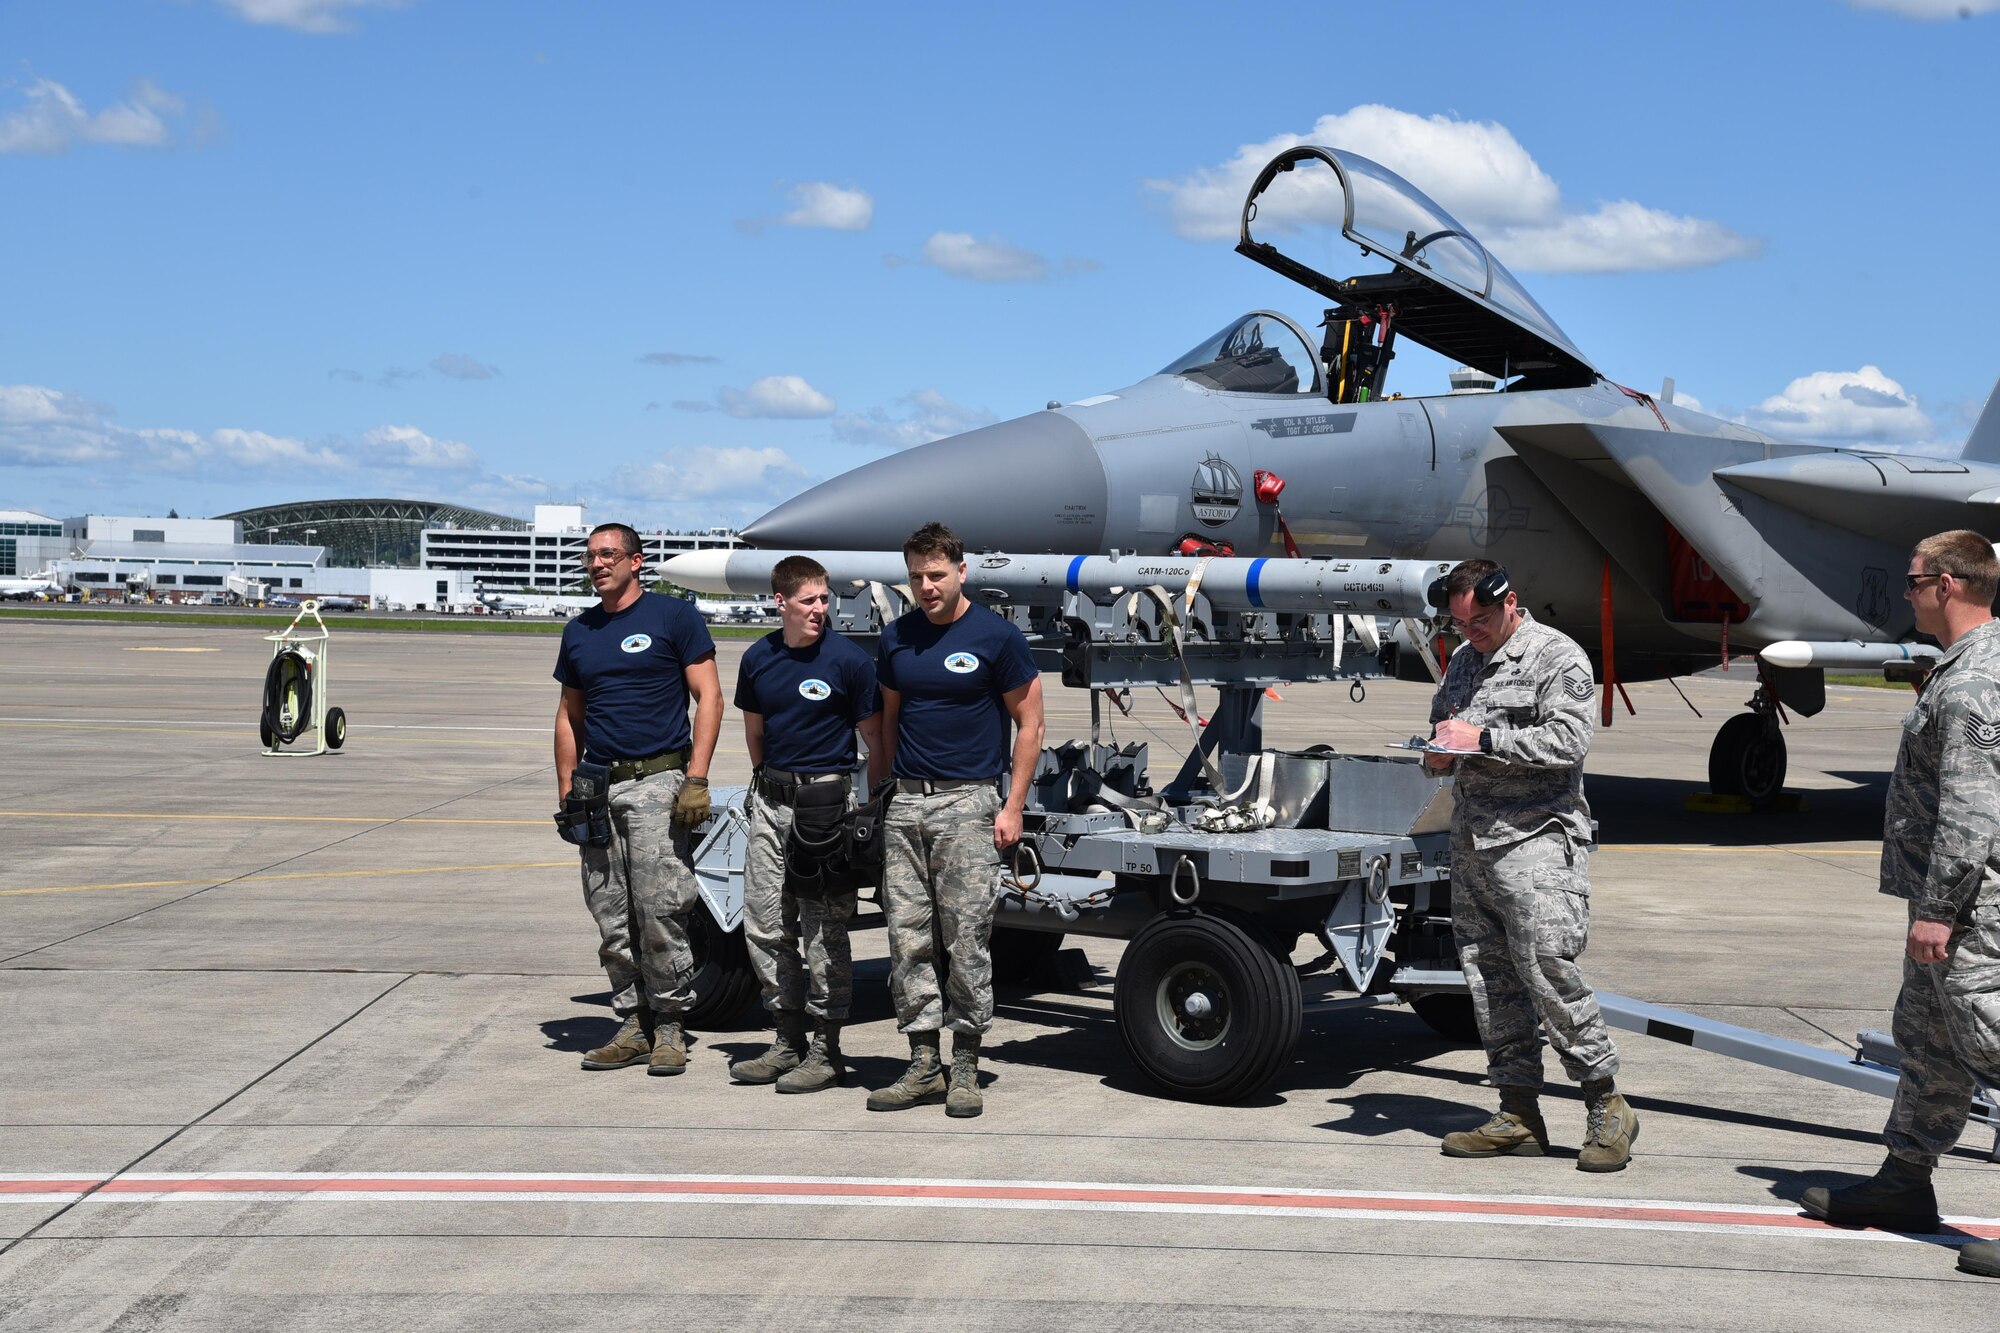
{"x":1492,"y":589}
{"x":1489,"y":591}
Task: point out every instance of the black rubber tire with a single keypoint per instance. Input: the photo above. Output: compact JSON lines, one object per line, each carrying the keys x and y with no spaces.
{"x":1450,"y":1016}
{"x":724,"y":981}
{"x":1022,"y":955}
{"x":1256,"y":1003}
{"x":1748,"y":759}
{"x":336,"y":728}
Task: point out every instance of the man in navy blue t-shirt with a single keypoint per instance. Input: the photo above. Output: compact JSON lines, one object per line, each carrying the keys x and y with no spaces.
{"x":803,"y":691}
{"x":629,"y":667}
{"x":956,"y":679}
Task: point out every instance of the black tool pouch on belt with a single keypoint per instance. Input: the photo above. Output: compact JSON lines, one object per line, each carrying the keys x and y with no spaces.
{"x":586,"y":812}
{"x":864,"y":834}
{"x":816,"y":864}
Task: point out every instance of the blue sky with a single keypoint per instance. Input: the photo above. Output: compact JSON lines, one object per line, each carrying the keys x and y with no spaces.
{"x":679,"y":261}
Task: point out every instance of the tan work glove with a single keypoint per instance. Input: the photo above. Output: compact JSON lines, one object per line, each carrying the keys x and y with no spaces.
{"x":691,"y":806}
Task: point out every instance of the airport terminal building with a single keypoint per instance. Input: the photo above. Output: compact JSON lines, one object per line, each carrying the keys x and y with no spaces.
{"x":408,"y":553}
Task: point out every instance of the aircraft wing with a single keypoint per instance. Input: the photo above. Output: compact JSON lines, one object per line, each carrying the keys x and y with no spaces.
{"x":1806,"y":536}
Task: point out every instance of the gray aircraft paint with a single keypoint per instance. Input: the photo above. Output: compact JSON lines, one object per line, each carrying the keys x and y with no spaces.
{"x":1553,"y":483}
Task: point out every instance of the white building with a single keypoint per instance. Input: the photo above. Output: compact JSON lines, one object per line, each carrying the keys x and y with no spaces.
{"x":182,"y":531}
{"x":549,"y":558}
{"x":29,"y":543}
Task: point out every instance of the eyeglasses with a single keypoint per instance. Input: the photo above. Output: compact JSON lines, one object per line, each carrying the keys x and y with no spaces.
{"x":1482,"y":622}
{"x":1912,"y":580}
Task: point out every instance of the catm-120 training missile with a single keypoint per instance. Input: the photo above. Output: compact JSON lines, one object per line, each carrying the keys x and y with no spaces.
{"x":1396,"y":588}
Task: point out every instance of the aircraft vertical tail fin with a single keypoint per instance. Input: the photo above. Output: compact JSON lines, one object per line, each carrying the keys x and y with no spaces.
{"x":1983,"y":445}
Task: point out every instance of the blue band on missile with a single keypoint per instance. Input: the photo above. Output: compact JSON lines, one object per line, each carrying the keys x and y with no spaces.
{"x":1075,"y":568}
{"x":1250,"y":582}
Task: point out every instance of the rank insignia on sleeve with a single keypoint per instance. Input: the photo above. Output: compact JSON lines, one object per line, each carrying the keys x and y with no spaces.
{"x":1986,"y":735}
{"x":1576,"y":684}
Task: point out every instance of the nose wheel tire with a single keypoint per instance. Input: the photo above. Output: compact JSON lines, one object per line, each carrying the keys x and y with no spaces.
{"x":1748,"y":759}
{"x":723,"y":980}
{"x":1207,"y":1011}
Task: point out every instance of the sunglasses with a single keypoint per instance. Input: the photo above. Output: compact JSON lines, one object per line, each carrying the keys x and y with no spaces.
{"x":1912,"y":580}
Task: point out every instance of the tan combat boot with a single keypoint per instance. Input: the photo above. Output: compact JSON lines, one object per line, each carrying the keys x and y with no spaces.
{"x":822,"y":1068}
{"x":1517,"y":1130}
{"x":1610,"y":1131}
{"x":629,"y":1047}
{"x":781,"y":1057}
{"x":670,"y":1052}
{"x":964,"y":1101}
{"x":922,"y":1084}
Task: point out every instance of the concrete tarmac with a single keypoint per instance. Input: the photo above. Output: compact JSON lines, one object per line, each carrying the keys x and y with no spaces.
{"x":295,"y":1040}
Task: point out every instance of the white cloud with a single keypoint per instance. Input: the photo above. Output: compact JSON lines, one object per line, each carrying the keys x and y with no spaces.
{"x":53,"y":119}
{"x":992,"y":260}
{"x":409,"y":447}
{"x":775,"y":396}
{"x":1844,"y":406}
{"x":710,"y":472}
{"x":460,"y":367}
{"x":1929,"y":9}
{"x":931,"y":416}
{"x":317,"y":16}
{"x":1477,"y":170}
{"x":48,"y":428}
{"x":1618,"y":238}
{"x":823,"y":204}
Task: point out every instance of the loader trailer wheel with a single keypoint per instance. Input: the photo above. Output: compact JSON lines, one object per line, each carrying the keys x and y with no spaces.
{"x":336,"y":728}
{"x":723,"y":980}
{"x":1449,"y":1015}
{"x":1205,"y":1009}
{"x":1022,"y":955}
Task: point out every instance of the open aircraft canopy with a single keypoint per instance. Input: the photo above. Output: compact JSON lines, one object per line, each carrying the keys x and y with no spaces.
{"x":1447,"y":292}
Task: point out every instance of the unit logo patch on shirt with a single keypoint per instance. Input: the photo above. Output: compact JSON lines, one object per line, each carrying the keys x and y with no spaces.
{"x":637,"y":643}
{"x":963,"y":664}
{"x":815,"y":690}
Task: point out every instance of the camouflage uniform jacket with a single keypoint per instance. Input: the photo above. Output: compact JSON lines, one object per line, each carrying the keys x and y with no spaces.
{"x":1943,"y":815}
{"x":1534,"y":697}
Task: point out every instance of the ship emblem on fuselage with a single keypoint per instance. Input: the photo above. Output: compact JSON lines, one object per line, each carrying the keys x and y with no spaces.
{"x":1216,"y":492}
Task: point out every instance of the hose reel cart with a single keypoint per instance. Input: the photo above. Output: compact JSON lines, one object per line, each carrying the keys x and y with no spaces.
{"x":296,"y":686}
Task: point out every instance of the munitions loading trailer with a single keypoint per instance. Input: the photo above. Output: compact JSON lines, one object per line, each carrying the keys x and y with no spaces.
{"x":1214,"y":880}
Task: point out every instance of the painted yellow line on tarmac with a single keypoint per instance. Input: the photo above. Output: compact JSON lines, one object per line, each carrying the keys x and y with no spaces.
{"x":304,"y":874}
{"x":258,"y":819}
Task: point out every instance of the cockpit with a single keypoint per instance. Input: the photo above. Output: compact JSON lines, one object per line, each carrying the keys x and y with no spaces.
{"x":1441,"y":290}
{"x":1263,"y":352}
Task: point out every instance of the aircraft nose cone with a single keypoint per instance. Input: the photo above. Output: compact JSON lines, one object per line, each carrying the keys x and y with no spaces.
{"x":1033,"y":485}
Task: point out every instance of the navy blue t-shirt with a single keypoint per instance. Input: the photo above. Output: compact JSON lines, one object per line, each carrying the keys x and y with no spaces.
{"x":952,"y":723}
{"x":630,"y":666}
{"x":810,"y":699}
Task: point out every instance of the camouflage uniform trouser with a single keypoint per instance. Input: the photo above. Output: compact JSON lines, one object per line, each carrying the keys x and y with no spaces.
{"x":776,"y":921}
{"x":940,"y":884}
{"x":644,"y":881}
{"x":1521,"y":915}
{"x":1948,"y":1029}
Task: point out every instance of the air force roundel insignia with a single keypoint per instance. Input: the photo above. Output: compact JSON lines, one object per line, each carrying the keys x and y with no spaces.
{"x":1576,"y":684}
{"x":963,"y":664}
{"x":1984,"y":734}
{"x":815,"y":690}
{"x":637,"y":643}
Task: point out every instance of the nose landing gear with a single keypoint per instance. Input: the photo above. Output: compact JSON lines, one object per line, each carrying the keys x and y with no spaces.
{"x":1748,"y":756}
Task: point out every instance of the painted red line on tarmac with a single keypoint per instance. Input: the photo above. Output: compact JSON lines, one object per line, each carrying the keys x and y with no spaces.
{"x":48,"y":1185}
{"x":834,"y":1191}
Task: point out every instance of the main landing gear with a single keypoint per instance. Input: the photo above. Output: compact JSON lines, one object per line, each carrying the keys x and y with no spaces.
{"x":1748,"y":756}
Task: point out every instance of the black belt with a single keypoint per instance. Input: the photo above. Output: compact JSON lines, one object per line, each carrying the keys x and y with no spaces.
{"x":625,"y":770}
{"x":932,"y":786}
{"x":775,"y":784}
